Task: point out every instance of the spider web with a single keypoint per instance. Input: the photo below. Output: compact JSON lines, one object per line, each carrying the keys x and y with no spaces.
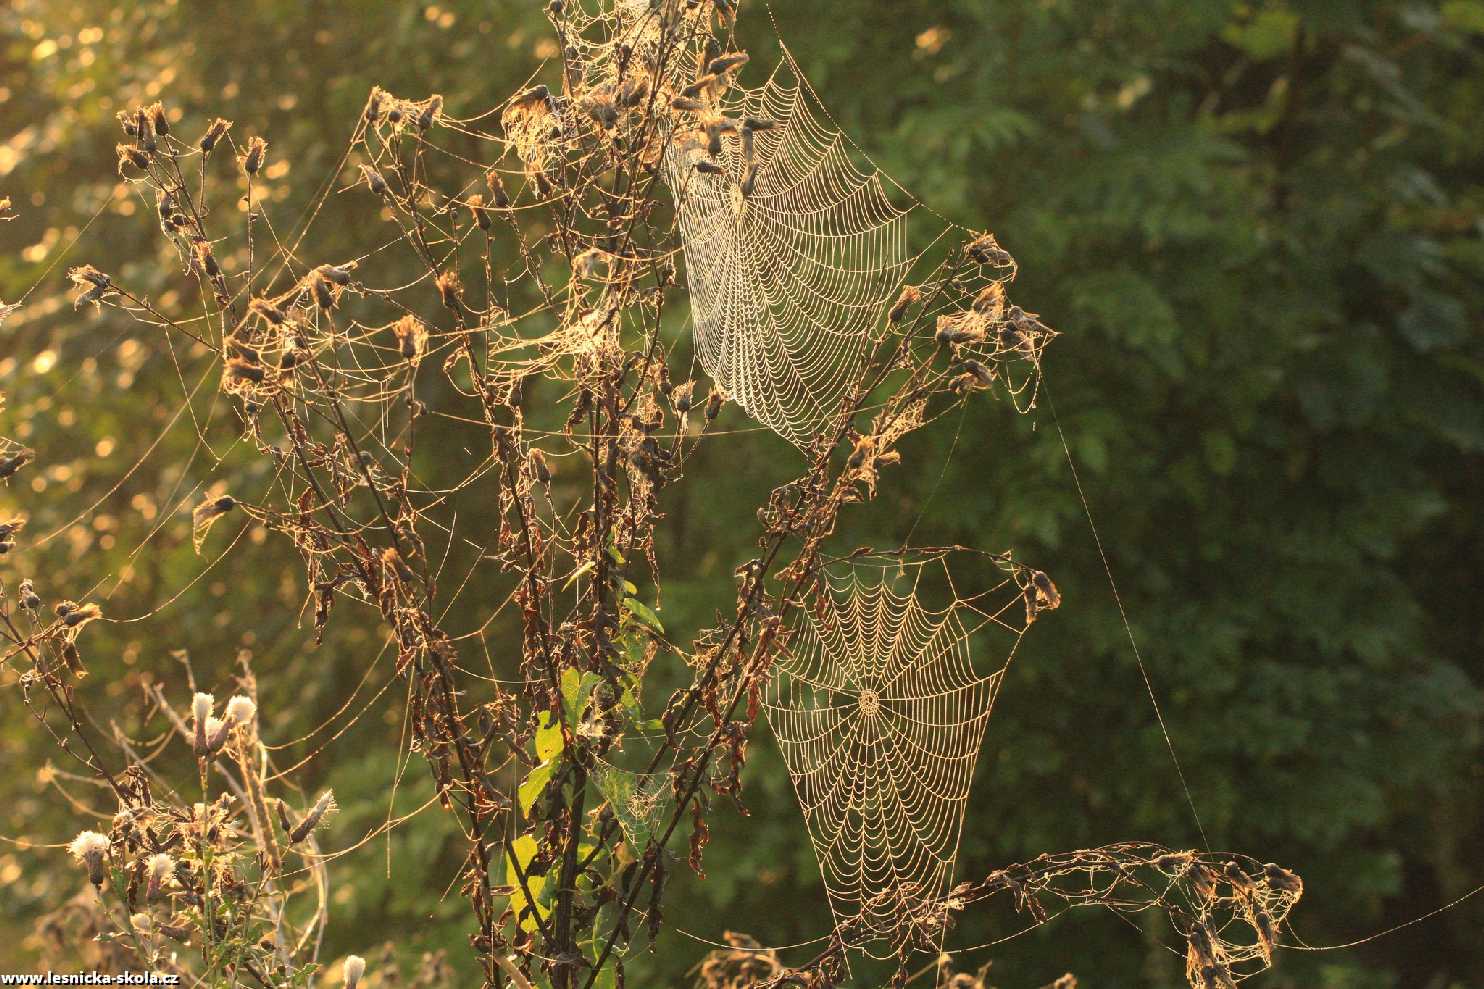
{"x":880,"y":714}
{"x":789,"y":279}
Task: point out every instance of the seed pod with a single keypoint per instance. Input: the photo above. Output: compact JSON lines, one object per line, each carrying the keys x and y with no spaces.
{"x":1282,"y":880}
{"x":709,"y":168}
{"x":145,"y":130}
{"x":713,"y":404}
{"x":252,"y":159}
{"x":158,"y":119}
{"x":682,"y":396}
{"x":30,"y":600}
{"x":206,"y":259}
{"x":990,"y":300}
{"x":340,"y":276}
{"x":373,"y":104}
{"x":214,"y":133}
{"x":687,"y":104}
{"x":864,"y":448}
{"x":759,"y":123}
{"x":206,"y":515}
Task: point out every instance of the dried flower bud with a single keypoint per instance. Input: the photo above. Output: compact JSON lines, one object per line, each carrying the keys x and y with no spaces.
{"x":88,"y":848}
{"x":141,"y":922}
{"x":30,"y":600}
{"x":497,"y":189}
{"x":355,"y":967}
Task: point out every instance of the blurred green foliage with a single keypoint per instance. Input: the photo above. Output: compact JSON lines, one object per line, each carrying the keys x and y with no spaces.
{"x":1258,"y":224}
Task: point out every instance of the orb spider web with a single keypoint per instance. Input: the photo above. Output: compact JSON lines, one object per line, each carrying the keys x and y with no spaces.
{"x":880,"y":714}
{"x":793,"y":255}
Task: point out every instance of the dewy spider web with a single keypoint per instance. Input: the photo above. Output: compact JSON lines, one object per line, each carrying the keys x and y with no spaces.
{"x":879,"y":713}
{"x":792,"y":256}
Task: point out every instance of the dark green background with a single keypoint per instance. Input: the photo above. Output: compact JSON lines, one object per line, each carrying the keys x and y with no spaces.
{"x":1259,"y":227}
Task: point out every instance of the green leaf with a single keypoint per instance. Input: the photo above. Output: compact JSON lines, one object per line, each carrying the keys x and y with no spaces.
{"x":642,"y":611}
{"x":533,"y":784}
{"x":549,"y":742}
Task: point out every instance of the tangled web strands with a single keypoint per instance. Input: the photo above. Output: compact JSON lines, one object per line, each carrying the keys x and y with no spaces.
{"x":793,"y":256}
{"x":880,"y":714}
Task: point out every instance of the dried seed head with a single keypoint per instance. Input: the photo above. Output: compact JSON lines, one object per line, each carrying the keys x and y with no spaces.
{"x":264,"y":309}
{"x":476,"y":209}
{"x":449,"y":289}
{"x":30,"y":600}
{"x":497,"y":188}
{"x":158,"y":118}
{"x":354,"y":968}
{"x":141,"y":922}
{"x":13,"y":462}
{"x":324,"y":290}
{"x":430,"y":112}
{"x":984,"y":249}
{"x":714,"y":403}
{"x":243,"y":369}
{"x":201,"y":705}
{"x":158,"y":869}
{"x":215,"y":131}
{"x":683,"y":396}
{"x":241,"y":710}
{"x":78,"y":617}
{"x":911,"y":295}
{"x":252,"y":158}
{"x":88,"y":848}
{"x":130,"y":155}
{"x":412,"y":337}
{"x":727,"y":63}
{"x":374,"y":103}
{"x":217,"y":730}
{"x":539,"y":466}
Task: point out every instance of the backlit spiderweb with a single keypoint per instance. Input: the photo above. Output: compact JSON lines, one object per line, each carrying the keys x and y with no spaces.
{"x":791,"y":272}
{"x":879,"y":713}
